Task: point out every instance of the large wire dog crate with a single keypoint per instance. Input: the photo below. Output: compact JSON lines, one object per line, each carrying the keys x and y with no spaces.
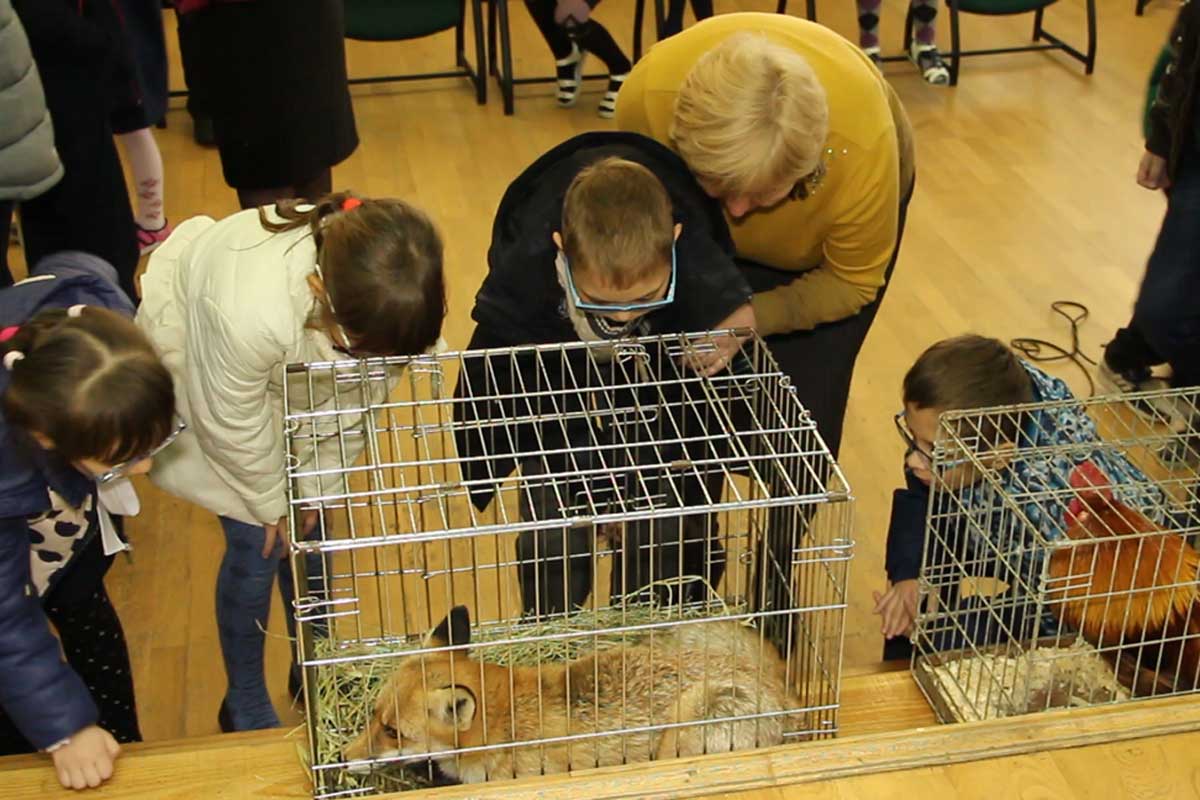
{"x":652,"y":562}
{"x":1060,"y":572}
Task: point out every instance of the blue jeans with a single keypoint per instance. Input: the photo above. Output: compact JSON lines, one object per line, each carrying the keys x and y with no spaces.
{"x":244,"y":585}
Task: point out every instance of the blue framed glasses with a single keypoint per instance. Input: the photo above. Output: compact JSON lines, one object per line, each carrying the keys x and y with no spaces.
{"x":645,"y":305}
{"x":122,"y":469}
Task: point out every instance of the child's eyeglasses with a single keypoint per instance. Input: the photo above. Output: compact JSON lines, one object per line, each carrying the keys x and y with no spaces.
{"x":644,"y":305}
{"x":122,"y":469}
{"x":344,"y":348}
{"x":909,"y":440}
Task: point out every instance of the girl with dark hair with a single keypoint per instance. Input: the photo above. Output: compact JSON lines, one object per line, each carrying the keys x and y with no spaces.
{"x":230,"y":304}
{"x":84,"y":404}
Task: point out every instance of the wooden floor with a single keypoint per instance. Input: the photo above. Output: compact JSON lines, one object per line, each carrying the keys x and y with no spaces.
{"x":1025,"y":195}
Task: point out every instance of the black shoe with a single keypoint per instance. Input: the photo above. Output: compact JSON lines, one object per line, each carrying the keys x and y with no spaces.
{"x":203,"y":131}
{"x":224,"y":720}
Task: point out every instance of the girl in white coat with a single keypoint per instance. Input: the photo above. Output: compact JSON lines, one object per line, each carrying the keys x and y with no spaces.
{"x":229,"y":304}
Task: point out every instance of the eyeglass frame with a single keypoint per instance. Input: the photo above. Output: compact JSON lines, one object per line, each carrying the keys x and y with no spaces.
{"x":122,"y":469}
{"x":347,"y":348}
{"x":645,"y":305}
{"x":910,"y":441}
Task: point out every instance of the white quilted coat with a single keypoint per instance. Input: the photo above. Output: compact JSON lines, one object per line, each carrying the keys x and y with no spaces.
{"x":226,"y":304}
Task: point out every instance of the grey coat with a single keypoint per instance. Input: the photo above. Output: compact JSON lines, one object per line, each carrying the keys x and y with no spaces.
{"x":29,"y":164}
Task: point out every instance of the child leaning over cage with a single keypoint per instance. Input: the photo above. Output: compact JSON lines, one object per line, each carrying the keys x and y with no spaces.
{"x":1018,"y":448}
{"x":605,"y":237}
{"x":230,"y":304}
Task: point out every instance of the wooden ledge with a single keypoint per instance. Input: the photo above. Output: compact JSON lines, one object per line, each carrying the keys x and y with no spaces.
{"x":265,"y":764}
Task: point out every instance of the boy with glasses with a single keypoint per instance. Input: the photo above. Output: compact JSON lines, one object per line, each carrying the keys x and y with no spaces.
{"x":1022,"y":449}
{"x":605,"y":237}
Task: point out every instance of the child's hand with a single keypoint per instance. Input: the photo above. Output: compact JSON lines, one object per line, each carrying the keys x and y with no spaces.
{"x":1152,"y":172}
{"x":87,"y":760}
{"x":275,"y":540}
{"x":898,"y":607}
{"x":725,"y":347}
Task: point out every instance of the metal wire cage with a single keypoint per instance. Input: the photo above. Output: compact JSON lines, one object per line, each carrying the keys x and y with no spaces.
{"x":648,"y":562}
{"x":1058,"y":564}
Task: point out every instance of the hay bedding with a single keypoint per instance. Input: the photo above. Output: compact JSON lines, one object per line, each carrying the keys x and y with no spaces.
{"x":985,"y":686}
{"x":346,"y":693}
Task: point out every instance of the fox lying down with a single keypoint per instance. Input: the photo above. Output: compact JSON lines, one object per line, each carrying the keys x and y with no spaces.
{"x":447,"y":701}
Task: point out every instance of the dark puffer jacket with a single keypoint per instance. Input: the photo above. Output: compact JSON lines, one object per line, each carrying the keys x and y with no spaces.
{"x":1172,"y":114}
{"x":39,"y":692}
{"x":29,"y":164}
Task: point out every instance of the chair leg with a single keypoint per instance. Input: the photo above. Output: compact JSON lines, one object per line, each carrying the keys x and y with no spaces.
{"x":908,"y":29}
{"x":506,"y":67}
{"x":491,"y":37}
{"x":810,"y":10}
{"x":1037,"y":24}
{"x":660,"y":19}
{"x":639,"y":17}
{"x":1090,"y":64}
{"x":955,"y":42}
{"x":481,"y":76}
{"x":460,"y":34}
{"x":1141,"y":7}
{"x":782,"y":7}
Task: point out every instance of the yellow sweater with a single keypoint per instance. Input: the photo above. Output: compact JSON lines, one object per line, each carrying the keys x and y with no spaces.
{"x":842,"y":236}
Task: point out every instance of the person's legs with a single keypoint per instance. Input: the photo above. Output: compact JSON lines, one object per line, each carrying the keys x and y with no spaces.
{"x":317,"y":187}
{"x":253,"y":198}
{"x":89,"y":208}
{"x":243,"y":603}
{"x":554,"y":565}
{"x":924,"y":52}
{"x":568,"y":58}
{"x":94,"y":644}
{"x":595,"y":38}
{"x":868,"y":27}
{"x":820,"y":365}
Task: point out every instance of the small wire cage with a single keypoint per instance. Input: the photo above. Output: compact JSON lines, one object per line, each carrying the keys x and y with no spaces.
{"x":1059,"y":568}
{"x":629,"y":561}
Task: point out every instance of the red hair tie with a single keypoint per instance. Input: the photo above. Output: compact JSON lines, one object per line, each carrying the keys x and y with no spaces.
{"x":9,"y":332}
{"x":351,"y":203}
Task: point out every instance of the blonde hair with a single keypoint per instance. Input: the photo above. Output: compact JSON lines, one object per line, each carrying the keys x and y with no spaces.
{"x":617,"y":222}
{"x":750,"y":117}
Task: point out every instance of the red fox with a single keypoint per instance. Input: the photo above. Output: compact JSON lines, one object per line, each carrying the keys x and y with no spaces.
{"x":447,"y":701}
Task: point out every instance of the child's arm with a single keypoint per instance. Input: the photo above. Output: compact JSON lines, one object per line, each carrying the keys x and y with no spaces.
{"x":44,"y":697}
{"x":897,"y":606}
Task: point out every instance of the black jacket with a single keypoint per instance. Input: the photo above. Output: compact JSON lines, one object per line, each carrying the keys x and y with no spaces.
{"x":522,"y":303}
{"x":1172,"y":128}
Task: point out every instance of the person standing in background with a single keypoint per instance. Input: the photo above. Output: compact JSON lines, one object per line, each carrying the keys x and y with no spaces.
{"x":29,"y":164}
{"x":81,"y":56}
{"x":273,"y":74}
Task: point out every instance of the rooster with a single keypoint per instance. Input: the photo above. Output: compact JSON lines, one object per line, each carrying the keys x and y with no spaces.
{"x":1133,"y":591}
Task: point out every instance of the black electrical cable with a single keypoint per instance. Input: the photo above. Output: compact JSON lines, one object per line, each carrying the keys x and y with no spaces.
{"x":1042,"y":351}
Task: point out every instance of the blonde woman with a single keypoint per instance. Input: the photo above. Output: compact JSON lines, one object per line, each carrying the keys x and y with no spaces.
{"x":802,"y":140}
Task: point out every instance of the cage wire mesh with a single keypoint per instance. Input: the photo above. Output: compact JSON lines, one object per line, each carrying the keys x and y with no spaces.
{"x":1059,"y":567}
{"x":649,"y":563}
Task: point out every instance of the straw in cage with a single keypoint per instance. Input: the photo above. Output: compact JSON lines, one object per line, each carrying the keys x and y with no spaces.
{"x":982,"y":686}
{"x":346,"y":692}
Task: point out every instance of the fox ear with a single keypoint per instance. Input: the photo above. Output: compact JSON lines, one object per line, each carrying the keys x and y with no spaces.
{"x":453,"y":705}
{"x":455,"y":629}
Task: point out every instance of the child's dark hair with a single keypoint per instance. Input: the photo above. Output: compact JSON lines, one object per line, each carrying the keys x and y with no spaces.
{"x":617,"y":222}
{"x":381,"y":261}
{"x":90,"y":383}
{"x":967,"y":372}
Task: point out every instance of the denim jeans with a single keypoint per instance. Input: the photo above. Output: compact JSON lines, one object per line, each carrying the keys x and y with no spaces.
{"x":244,"y":585}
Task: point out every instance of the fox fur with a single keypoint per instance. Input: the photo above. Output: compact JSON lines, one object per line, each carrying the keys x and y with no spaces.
{"x":447,"y":700}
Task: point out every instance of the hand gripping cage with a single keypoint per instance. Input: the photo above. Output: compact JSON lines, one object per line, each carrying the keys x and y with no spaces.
{"x":651,"y":562}
{"x":1061,"y":571}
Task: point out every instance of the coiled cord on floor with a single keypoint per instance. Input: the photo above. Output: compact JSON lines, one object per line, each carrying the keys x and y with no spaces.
{"x":1042,"y":351}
